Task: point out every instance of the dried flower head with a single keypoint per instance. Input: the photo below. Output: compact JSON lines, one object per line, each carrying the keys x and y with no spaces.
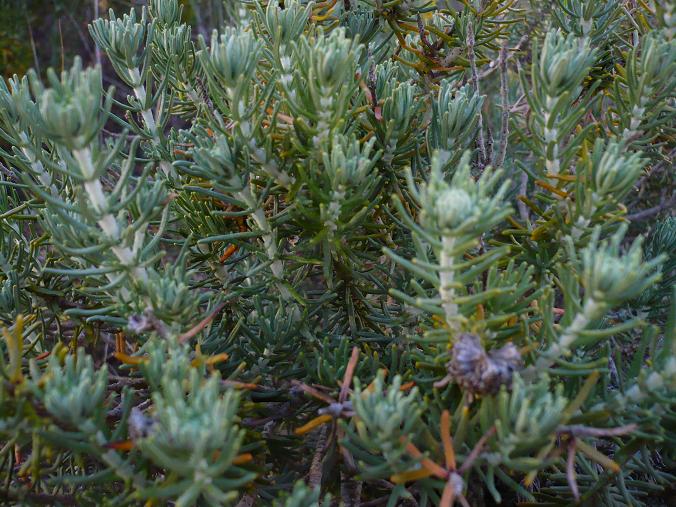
{"x":478,"y":371}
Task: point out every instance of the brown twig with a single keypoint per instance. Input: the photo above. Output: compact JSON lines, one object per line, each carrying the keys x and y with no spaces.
{"x":247,"y":500}
{"x":570,"y":469}
{"x":313,"y":392}
{"x":427,"y":47}
{"x":192,"y":332}
{"x":474,"y":454}
{"x":63,"y":56}
{"x":650,"y":212}
{"x":492,"y":66}
{"x":350,"y":489}
{"x":314,"y":477}
{"x":490,"y":144}
{"x":349,"y":373}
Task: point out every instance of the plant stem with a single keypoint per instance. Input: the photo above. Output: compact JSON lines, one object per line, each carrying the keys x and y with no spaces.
{"x":504,"y":127}
{"x":269,"y":237}
{"x":107,"y":222}
{"x":552,"y":163}
{"x":148,"y":116}
{"x":591,"y":311}
{"x":446,"y":278}
{"x":475,"y":83}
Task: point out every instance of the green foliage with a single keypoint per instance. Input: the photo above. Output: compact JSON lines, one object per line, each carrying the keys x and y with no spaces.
{"x":193,"y":437}
{"x":380,"y":253}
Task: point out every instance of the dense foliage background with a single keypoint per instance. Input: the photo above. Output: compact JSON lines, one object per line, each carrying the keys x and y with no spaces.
{"x":349,"y":251}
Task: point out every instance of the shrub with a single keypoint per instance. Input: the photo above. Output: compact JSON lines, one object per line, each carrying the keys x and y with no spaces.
{"x":358,"y":252}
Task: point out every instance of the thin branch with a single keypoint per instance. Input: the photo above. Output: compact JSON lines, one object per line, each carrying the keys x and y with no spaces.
{"x":349,"y":373}
{"x":523,"y":188}
{"x":666,"y":162}
{"x":463,"y":501}
{"x":377,"y":501}
{"x":492,"y":66}
{"x":490,"y":144}
{"x":63,"y":56}
{"x":97,"y":50}
{"x":475,"y":83}
{"x":570,"y":469}
{"x":427,"y":47}
{"x":647,"y":213}
{"x":504,"y":127}
{"x":314,"y":477}
{"x":313,"y":392}
{"x":83,"y":38}
{"x":192,"y":332}
{"x":474,"y":454}
{"x":247,"y":500}
{"x":33,"y":48}
{"x":448,"y":495}
{"x":350,"y":490}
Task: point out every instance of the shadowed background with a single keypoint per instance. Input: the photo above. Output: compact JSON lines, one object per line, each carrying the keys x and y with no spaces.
{"x":49,"y":33}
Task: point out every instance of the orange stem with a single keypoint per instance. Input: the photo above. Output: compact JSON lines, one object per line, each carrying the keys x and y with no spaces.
{"x":317,"y":421}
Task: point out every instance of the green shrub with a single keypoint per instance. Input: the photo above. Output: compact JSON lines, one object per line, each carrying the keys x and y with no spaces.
{"x":345,"y":251}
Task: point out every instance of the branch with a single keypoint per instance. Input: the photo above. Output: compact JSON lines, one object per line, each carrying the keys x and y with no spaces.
{"x":570,"y":469}
{"x":314,"y":477}
{"x":495,"y":64}
{"x":474,"y":453}
{"x":647,"y":213}
{"x":523,"y":188}
{"x":504,"y":127}
{"x":201,"y":325}
{"x":475,"y":83}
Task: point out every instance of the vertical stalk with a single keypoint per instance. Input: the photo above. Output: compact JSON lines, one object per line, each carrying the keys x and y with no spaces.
{"x":446,"y":279}
{"x":590,"y":312}
{"x":552,"y":162}
{"x":107,"y":221}
{"x":637,"y":113}
{"x":269,"y":237}
{"x":475,"y":83}
{"x":148,"y":116}
{"x":37,"y":167}
{"x":504,"y":90}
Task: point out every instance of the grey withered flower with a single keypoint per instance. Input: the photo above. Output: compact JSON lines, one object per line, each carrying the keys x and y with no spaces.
{"x":139,"y":424}
{"x":478,"y":371}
